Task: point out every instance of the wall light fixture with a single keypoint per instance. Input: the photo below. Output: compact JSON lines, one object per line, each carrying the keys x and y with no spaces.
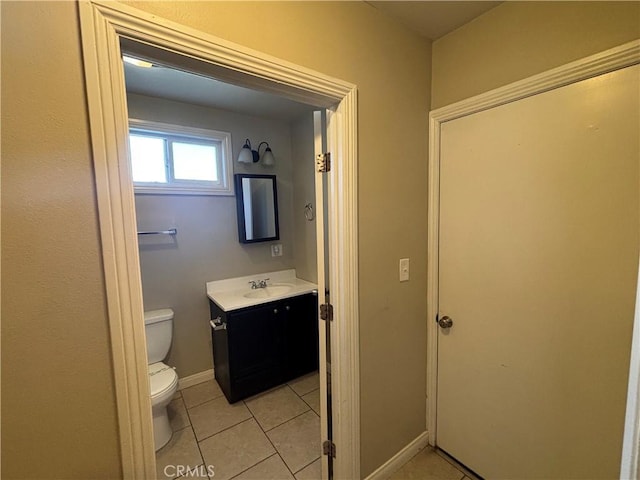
{"x":247,"y":155}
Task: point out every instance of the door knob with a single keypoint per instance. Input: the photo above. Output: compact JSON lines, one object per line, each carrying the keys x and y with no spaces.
{"x":445,"y":322}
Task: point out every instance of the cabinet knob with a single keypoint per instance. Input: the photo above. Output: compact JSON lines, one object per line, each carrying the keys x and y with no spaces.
{"x":275,"y":310}
{"x":287,"y":308}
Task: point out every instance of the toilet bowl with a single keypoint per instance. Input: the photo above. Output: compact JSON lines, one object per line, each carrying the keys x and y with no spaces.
{"x":163,"y":380}
{"x":164,"y":383}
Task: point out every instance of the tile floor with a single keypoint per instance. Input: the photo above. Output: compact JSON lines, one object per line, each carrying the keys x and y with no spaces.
{"x":430,"y":464}
{"x":273,"y":435}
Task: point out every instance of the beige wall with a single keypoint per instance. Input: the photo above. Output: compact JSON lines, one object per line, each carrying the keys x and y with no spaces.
{"x":175,"y":269}
{"x":304,"y":231}
{"x":53,"y":294}
{"x":58,"y":402}
{"x":518,"y":39}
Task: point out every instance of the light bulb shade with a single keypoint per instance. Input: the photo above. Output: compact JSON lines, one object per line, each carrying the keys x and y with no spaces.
{"x":267,"y":158}
{"x":246,"y":155}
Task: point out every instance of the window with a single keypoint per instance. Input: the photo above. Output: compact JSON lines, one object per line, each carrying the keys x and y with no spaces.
{"x":179,"y":160}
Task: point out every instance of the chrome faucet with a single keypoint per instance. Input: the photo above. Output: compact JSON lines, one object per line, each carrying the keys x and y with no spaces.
{"x":255,"y":284}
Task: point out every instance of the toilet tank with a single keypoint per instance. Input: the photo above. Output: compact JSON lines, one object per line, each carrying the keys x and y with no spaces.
{"x":158,"y":325}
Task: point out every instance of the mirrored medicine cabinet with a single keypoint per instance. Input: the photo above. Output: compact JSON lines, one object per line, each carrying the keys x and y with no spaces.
{"x":257,"y":205}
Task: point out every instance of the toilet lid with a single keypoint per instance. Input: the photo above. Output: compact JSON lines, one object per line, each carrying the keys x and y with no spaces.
{"x":161,"y":377}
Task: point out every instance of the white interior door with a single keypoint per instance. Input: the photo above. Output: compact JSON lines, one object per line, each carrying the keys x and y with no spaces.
{"x":539,"y":210}
{"x":322,"y":242}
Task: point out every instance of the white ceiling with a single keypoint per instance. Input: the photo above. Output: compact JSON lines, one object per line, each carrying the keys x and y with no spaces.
{"x":172,"y":84}
{"x":431,"y":19}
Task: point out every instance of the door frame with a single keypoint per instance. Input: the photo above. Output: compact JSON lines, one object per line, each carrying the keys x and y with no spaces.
{"x":631,"y":441}
{"x":103,"y":24}
{"x":613,"y":59}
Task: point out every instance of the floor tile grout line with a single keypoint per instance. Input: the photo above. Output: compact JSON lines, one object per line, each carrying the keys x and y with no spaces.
{"x":310,"y":406}
{"x":308,"y":375}
{"x":260,"y":425}
{"x":181,"y":397}
{"x":202,"y":403}
{"x":268,"y":391}
{"x":186,"y":410}
{"x":197,"y":445}
{"x":275,"y":448}
{"x":225,"y":429}
{"x":254,"y":465}
{"x":305,"y":393}
{"x":309,"y":464}
{"x":191,"y":423}
{"x":277,"y":451}
{"x":190,"y":426}
{"x":178,"y":430}
{"x":271,"y":390}
{"x":287,"y":421}
{"x":285,"y":464}
{"x":189,"y":476}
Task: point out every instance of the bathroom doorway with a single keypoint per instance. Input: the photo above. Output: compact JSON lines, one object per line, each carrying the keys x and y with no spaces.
{"x":189,"y":238}
{"x":139,"y":33}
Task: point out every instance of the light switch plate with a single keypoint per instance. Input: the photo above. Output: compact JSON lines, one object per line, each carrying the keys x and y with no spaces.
{"x":404,"y":269}
{"x":276,"y":250}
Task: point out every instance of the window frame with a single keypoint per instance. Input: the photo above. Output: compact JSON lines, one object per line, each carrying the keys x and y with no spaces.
{"x":184,"y":134}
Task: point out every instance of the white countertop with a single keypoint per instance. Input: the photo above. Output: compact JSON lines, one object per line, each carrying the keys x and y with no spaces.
{"x":234,"y":293}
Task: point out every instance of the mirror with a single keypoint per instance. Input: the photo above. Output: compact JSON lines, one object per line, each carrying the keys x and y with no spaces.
{"x":257,"y":203}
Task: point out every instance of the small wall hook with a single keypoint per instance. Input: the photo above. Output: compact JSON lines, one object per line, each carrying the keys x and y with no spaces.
{"x":308,"y":212}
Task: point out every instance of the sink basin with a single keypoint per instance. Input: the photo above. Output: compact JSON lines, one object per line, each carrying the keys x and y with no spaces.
{"x":273,"y":290}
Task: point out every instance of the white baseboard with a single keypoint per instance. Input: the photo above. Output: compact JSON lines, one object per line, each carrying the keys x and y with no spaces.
{"x":394,"y":464}
{"x":195,"y":379}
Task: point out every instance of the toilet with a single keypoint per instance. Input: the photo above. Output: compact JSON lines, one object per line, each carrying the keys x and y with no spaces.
{"x":163,"y":380}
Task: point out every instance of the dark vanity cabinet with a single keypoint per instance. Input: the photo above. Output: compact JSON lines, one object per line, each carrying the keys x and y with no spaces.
{"x":259,"y":347}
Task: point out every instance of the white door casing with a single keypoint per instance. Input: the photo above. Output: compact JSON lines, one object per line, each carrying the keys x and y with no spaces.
{"x":322,"y":256}
{"x":610,"y":60}
{"x":631,"y":440}
{"x":104,"y":25}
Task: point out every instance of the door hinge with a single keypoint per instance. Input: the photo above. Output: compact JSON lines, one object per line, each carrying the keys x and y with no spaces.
{"x":323,"y":162}
{"x":326,"y":311}
{"x":329,"y":448}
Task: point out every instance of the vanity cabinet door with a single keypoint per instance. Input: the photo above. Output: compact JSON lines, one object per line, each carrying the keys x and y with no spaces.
{"x":255,"y":349}
{"x":301,"y":335}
